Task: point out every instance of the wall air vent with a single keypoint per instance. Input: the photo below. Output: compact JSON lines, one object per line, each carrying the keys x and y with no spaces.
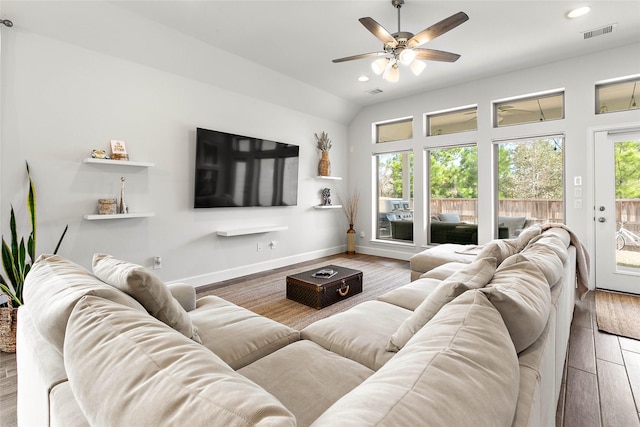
{"x":599,"y":31}
{"x":374,"y":91}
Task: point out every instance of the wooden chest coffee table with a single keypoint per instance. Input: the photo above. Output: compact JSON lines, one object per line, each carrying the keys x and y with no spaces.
{"x":320,"y":292}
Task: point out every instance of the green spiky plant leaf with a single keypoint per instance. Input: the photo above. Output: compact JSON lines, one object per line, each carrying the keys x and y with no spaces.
{"x":17,"y":257}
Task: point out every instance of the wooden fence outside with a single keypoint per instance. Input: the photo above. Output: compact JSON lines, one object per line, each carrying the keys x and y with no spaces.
{"x":537,"y":210}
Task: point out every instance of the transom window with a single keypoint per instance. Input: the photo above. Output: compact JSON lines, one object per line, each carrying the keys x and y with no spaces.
{"x":394,"y":131}
{"x":461,"y":120}
{"x":529,"y":110}
{"x":618,"y":96}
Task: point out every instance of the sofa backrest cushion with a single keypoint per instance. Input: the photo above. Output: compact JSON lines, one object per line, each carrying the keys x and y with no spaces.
{"x":474,"y":275}
{"x":500,"y":249}
{"x":459,"y":370}
{"x":547,"y":261}
{"x":147,"y":289}
{"x":520,"y":292}
{"x":53,"y":287}
{"x":128,"y":368}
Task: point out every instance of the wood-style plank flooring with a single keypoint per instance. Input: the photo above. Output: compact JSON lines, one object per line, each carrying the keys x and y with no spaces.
{"x":601,"y":385}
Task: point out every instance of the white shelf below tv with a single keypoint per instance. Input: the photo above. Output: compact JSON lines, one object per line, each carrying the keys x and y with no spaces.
{"x":328,"y":206}
{"x":250,"y":230}
{"x":92,"y":217}
{"x":329,"y":177}
{"x":119,"y":162}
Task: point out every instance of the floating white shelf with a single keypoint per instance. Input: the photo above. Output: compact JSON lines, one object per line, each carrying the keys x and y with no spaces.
{"x":328,"y":207}
{"x":329,"y":177}
{"x":92,"y":217}
{"x":250,"y":230}
{"x":119,"y":162}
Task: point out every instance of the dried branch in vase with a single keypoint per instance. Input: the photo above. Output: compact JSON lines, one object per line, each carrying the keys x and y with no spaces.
{"x":350,"y":206}
{"x":324,"y":143}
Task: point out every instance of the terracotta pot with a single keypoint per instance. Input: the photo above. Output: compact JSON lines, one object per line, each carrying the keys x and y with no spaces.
{"x":324,"y":167}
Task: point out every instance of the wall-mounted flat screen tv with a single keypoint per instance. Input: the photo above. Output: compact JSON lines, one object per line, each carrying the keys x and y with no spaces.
{"x":238,"y":171}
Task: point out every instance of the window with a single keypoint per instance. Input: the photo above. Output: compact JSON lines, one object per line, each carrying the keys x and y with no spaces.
{"x":453,"y":195}
{"x":618,"y":96}
{"x":529,"y":110}
{"x":530,"y":183}
{"x":395,"y":196}
{"x":394,"y":131}
{"x":452,"y":121}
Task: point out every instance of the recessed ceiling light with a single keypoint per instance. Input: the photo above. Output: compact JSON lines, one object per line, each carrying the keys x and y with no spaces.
{"x":363,"y":78}
{"x":579,"y":12}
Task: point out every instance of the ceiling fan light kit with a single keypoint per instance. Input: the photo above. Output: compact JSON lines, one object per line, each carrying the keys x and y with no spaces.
{"x":402,"y":47}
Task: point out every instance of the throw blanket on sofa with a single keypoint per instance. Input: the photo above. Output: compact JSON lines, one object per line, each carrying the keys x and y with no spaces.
{"x":582,"y":259}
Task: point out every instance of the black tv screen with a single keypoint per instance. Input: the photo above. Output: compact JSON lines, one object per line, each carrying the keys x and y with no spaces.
{"x":237,"y":171}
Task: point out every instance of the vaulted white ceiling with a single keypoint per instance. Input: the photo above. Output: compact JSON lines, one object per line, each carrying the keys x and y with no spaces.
{"x":299,"y":38}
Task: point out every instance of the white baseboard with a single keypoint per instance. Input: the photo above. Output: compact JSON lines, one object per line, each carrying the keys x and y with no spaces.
{"x":244,"y":270}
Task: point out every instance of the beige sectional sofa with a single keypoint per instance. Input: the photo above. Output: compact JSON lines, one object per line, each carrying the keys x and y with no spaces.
{"x":480,"y":345}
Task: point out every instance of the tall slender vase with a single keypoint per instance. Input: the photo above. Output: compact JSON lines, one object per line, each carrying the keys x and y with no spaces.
{"x":351,"y":240}
{"x":324,"y":167}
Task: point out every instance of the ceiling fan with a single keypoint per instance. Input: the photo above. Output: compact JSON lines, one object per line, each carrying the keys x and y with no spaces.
{"x":402,"y":46}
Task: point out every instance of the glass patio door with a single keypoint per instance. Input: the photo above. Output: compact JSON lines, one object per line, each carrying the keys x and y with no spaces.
{"x":617,"y":211}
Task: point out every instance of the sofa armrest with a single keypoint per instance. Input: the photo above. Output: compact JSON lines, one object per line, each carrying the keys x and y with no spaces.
{"x":185,"y":294}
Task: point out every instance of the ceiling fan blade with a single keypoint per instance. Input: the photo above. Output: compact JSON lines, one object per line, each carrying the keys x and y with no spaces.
{"x":436,"y":55}
{"x":361,"y":56}
{"x":379,"y":31}
{"x":437,"y":29}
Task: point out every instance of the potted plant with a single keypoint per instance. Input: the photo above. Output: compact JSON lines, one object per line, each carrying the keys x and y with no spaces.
{"x":17,"y":259}
{"x":324,"y":145}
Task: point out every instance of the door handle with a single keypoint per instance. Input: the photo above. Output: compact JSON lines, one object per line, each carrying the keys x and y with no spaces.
{"x":602,"y":219}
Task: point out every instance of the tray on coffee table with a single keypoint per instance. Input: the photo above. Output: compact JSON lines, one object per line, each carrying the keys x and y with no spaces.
{"x":320,"y":292}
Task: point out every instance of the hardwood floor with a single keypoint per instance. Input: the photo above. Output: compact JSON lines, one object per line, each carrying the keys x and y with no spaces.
{"x":601,"y":385}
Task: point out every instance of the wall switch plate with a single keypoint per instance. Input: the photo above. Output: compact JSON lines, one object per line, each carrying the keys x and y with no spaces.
{"x":157,"y":262}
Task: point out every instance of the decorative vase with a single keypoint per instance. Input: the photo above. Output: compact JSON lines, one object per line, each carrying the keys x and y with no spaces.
{"x":324,"y":167}
{"x":351,"y":240}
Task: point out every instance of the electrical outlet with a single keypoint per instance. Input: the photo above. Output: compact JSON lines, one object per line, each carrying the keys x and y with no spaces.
{"x":259,"y":246}
{"x":157,"y":262}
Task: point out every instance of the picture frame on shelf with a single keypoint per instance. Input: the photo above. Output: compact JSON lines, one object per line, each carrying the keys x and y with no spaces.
{"x":118,"y":150}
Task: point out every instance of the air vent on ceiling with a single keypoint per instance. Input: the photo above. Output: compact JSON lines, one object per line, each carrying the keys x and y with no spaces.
{"x":599,"y":31}
{"x":374,"y":91}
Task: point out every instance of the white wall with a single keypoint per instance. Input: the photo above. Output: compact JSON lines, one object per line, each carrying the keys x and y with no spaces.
{"x":576,"y":76}
{"x":60,"y":101}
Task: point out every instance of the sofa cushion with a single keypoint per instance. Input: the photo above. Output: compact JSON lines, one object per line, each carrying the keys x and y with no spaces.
{"x":237,"y":335}
{"x":520,"y":292}
{"x":547,"y":261}
{"x":443,"y":271}
{"x":459,"y":370}
{"x":147,"y":289}
{"x":306,"y":378}
{"x":154,"y":375}
{"x":500,"y":249}
{"x":360,"y":333}
{"x":475,"y":275}
{"x":441,"y":254}
{"x":51,"y":290}
{"x":411,"y":295}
